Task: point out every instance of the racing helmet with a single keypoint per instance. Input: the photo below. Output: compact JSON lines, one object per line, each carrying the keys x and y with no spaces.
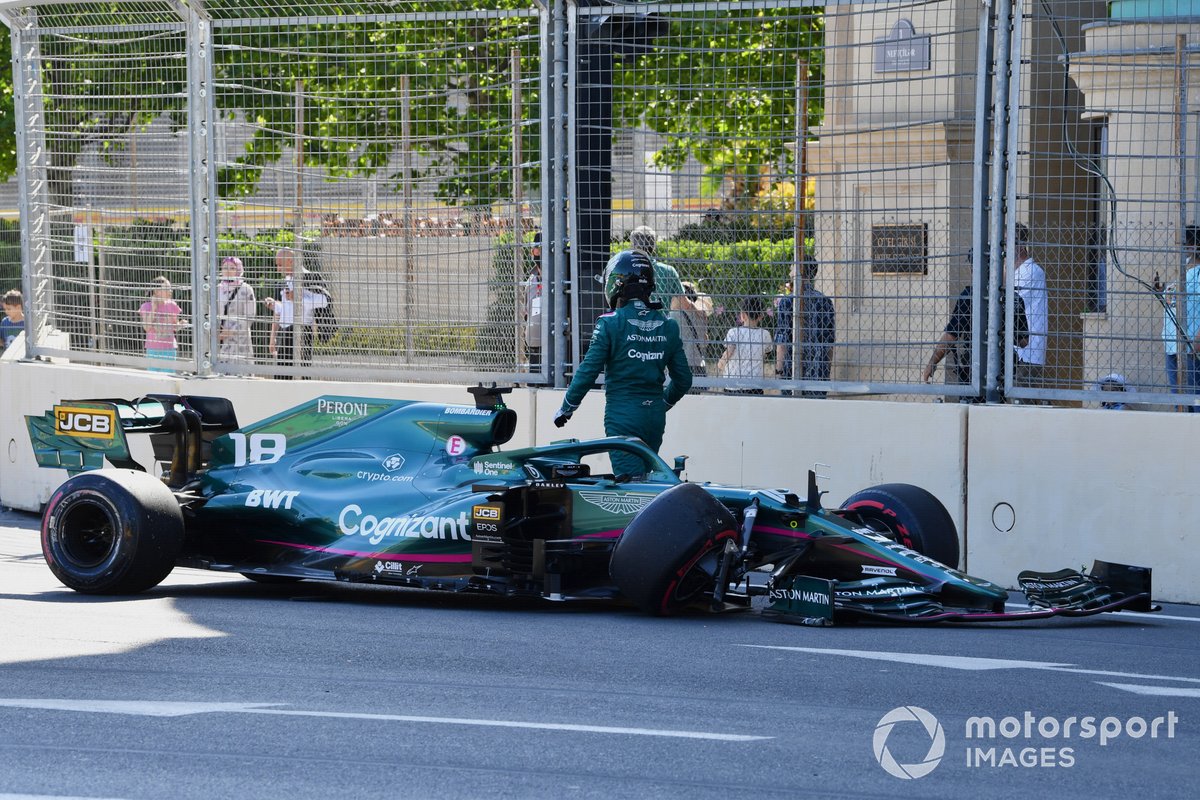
{"x":629,"y":275}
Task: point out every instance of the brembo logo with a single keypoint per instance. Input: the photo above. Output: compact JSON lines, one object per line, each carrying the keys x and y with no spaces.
{"x":89,"y":423}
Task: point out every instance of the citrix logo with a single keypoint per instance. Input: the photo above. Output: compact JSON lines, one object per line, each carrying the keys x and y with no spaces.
{"x":933,"y":729}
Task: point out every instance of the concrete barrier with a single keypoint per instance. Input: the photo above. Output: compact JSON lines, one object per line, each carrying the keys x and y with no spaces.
{"x":1053,"y":488}
{"x":1028,"y":487}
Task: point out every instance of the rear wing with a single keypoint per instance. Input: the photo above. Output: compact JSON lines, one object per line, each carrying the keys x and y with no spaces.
{"x":78,"y":435}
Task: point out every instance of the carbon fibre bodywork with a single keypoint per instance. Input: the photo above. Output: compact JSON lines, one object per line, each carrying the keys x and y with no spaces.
{"x":420,"y":494}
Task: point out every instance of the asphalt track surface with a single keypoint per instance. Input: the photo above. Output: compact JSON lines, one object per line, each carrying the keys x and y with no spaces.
{"x":213,"y":686}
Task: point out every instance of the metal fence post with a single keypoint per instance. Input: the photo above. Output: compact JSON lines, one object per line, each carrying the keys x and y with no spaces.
{"x":555,"y":192}
{"x":984,"y":70}
{"x":203,"y":188}
{"x":518,"y":251}
{"x":1005,"y":55}
{"x":34,"y":190}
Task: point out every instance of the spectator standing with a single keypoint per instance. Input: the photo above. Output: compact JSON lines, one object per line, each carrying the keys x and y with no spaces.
{"x":667,"y":287}
{"x":746,"y":346}
{"x":1029,"y":283}
{"x":636,"y":347}
{"x":282,"y":340}
{"x":13,"y":324}
{"x":956,"y":336}
{"x":1190,"y":332}
{"x":160,"y":321}
{"x":694,"y":310}
{"x":817,"y":331}
{"x":533,"y":305}
{"x":238,"y":308}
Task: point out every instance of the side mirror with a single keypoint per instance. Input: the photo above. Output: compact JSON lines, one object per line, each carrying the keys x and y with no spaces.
{"x":680,"y":463}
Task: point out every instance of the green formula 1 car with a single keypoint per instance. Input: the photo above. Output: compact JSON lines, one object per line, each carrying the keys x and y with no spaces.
{"x":421,"y":495}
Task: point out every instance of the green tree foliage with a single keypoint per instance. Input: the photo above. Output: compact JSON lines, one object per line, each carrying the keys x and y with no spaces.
{"x":722,"y":93}
{"x":716,"y":88}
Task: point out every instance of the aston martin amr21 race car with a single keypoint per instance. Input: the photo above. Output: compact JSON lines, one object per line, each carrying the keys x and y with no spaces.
{"x":419,"y":494}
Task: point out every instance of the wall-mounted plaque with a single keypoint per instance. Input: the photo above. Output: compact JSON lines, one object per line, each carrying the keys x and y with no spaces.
{"x":902,"y":50}
{"x":900,"y":249}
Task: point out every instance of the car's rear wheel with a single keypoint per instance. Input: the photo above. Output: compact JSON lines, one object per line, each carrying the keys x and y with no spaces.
{"x":910,"y":515}
{"x":669,"y":553}
{"x":112,"y":532}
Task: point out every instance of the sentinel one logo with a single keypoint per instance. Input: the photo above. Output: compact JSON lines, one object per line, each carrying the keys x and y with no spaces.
{"x":932,"y":730}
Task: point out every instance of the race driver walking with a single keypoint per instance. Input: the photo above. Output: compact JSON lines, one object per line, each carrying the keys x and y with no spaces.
{"x":635,"y":345}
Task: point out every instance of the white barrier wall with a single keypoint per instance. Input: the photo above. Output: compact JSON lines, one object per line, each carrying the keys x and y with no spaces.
{"x":1054,"y":487}
{"x":1048,"y":488}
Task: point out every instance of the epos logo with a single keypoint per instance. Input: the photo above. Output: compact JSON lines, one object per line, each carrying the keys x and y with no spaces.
{"x":88,"y":423}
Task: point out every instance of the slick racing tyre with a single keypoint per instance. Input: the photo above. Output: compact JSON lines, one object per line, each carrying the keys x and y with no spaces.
{"x":113,"y":531}
{"x":911,"y":516}
{"x":669,"y":553}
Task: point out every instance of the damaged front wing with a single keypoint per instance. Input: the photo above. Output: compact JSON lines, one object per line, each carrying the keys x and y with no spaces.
{"x":808,"y":600}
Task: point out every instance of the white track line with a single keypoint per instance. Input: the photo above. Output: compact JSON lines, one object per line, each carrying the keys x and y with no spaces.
{"x":153,"y":708}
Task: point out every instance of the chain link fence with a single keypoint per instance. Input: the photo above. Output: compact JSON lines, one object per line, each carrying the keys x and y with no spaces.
{"x":414,"y":191}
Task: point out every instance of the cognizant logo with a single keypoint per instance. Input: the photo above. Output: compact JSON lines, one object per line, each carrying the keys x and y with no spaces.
{"x":911,"y":721}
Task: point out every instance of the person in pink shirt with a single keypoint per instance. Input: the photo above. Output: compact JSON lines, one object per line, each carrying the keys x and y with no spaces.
{"x":160,"y":321}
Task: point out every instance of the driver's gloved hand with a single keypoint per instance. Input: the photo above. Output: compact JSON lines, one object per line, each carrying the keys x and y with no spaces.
{"x":561,"y":418}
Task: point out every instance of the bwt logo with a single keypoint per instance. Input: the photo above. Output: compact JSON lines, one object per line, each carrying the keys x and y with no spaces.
{"x":93,"y":423}
{"x":932,"y":730}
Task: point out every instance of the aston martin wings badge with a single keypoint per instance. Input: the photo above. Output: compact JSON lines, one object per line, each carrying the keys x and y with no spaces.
{"x":618,"y":502}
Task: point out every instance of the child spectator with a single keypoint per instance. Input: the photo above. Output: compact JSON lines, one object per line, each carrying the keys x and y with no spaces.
{"x":746,"y":346}
{"x":13,"y":323}
{"x":160,"y":321}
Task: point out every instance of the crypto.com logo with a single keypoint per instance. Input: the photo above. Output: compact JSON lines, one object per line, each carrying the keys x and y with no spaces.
{"x":933,"y":728}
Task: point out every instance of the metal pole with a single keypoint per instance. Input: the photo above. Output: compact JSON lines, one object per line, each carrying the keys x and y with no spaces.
{"x":798,"y":218}
{"x":518,"y":251}
{"x":568,"y":158}
{"x":298,"y":234}
{"x":406,"y":182}
{"x":102,"y":255}
{"x":1005,"y":53}
{"x":979,"y":191}
{"x":1183,"y":347}
{"x":133,"y":181}
{"x":33,"y":184}
{"x":561,"y":223}
{"x":202,"y":190}
{"x":94,"y":312}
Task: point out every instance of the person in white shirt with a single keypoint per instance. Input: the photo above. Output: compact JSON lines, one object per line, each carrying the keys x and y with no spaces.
{"x":282,"y":341}
{"x":1029,"y":282}
{"x":746,"y":346}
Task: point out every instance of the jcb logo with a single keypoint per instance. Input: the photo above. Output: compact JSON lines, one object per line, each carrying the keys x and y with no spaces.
{"x":88,"y":423}
{"x":486,"y":512}
{"x":271,"y":498}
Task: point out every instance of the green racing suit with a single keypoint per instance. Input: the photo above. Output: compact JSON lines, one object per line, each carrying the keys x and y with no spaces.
{"x":633,"y":346}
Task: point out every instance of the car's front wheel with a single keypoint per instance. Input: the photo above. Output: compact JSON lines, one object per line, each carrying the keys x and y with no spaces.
{"x":112,"y":531}
{"x":669,"y":553}
{"x":910,"y":515}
